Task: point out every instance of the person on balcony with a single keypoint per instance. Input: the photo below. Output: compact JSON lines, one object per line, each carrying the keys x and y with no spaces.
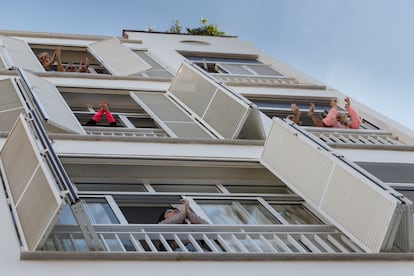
{"x":182,"y":215}
{"x":331,"y":118}
{"x":48,"y":61}
{"x":336,"y":119}
{"x":103,"y":110}
{"x":83,"y":67}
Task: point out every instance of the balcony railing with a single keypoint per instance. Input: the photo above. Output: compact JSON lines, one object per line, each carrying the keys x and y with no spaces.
{"x":374,"y":139}
{"x":207,"y":239}
{"x":254,"y":80}
{"x":126,"y":132}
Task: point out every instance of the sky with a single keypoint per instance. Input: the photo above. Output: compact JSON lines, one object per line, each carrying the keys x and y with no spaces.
{"x":363,"y":48}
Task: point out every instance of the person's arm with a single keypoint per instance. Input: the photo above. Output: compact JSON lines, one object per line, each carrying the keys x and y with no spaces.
{"x":355,"y":121}
{"x":195,"y":219}
{"x":56,"y":57}
{"x":191,"y":216}
{"x":330,"y":118}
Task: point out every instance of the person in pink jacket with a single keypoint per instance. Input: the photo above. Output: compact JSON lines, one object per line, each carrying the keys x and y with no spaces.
{"x":104,"y":110}
{"x":336,"y":119}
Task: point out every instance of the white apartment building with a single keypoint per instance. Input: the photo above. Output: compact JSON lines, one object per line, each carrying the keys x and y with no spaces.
{"x":200,"y":118}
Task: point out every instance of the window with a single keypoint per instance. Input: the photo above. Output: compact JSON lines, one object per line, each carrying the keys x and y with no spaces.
{"x":280,"y":107}
{"x":295,"y":213}
{"x":223,"y":194}
{"x":233,"y":66}
{"x":126,"y":112}
{"x":236,"y":212}
{"x":390,"y":172}
{"x":100,"y":211}
{"x":72,"y":56}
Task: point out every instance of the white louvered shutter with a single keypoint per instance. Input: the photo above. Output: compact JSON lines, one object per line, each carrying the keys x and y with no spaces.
{"x":30,"y":184}
{"x":54,"y":108}
{"x":118,"y":59}
{"x":10,"y":105}
{"x":17,"y":53}
{"x":211,"y":102}
{"x":168,"y":114}
{"x":356,"y":205}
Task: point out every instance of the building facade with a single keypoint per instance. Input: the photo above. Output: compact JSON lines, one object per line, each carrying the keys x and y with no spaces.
{"x":201,"y":119}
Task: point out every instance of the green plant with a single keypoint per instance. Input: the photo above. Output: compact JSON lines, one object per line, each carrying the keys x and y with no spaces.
{"x":204,"y":29}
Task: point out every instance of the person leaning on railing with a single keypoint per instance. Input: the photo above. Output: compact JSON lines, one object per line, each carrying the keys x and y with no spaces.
{"x":333,"y":118}
{"x":182,"y":215}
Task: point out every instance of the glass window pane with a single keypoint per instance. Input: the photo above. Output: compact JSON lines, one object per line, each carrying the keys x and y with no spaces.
{"x":101,"y":212}
{"x":66,"y":216}
{"x":258,"y":214}
{"x":264,"y":70}
{"x":140,"y":122}
{"x":296,"y":214}
{"x":236,"y":69}
{"x":233,"y":212}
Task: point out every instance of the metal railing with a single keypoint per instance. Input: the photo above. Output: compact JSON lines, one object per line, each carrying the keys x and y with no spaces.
{"x":125,"y":132}
{"x":357,"y":138}
{"x":207,"y":239}
{"x":256,"y":80}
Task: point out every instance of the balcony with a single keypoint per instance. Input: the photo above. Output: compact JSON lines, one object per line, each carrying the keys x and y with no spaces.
{"x":359,"y":139}
{"x":206,"y":239}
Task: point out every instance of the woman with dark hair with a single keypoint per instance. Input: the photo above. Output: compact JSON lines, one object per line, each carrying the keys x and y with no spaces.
{"x":182,"y":215}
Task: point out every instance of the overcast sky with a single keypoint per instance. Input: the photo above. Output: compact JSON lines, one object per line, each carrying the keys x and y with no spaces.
{"x":364,"y":48}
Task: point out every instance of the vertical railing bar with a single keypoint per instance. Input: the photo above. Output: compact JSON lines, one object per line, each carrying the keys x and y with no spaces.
{"x":282,"y":244}
{"x":296,"y":244}
{"x":180,"y":243}
{"x":350,"y":244}
{"x":324,"y":244}
{"x":213,"y":246}
{"x":267,"y":243}
{"x":309,"y":244}
{"x":165,"y":243}
{"x":224,"y":243}
{"x":195,"y":243}
{"x":104,"y":243}
{"x":137,"y":245}
{"x":335,"y":242}
{"x":254,"y":244}
{"x":239,"y":243}
{"x":118,"y":239}
{"x":150,"y":243}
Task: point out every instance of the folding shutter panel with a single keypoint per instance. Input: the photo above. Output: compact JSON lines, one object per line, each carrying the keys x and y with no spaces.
{"x":10,"y":104}
{"x":356,"y":205}
{"x":31,"y":187}
{"x":170,"y":115}
{"x":117,"y":58}
{"x":54,"y":108}
{"x":17,"y":53}
{"x":215,"y":105}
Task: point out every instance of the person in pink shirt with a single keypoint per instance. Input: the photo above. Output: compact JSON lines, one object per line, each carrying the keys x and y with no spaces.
{"x":336,"y":119}
{"x":104,"y":110}
{"x":333,"y":118}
